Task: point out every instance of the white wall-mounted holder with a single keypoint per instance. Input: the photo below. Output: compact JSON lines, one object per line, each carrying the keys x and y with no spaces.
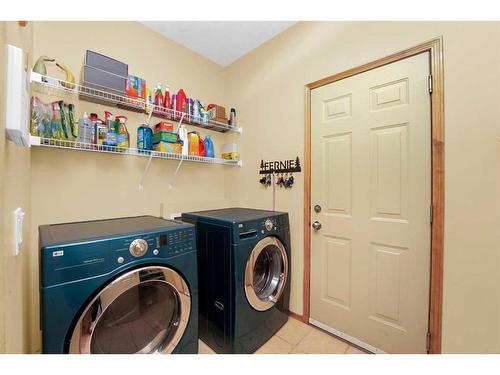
{"x":16,"y":94}
{"x":18,"y":230}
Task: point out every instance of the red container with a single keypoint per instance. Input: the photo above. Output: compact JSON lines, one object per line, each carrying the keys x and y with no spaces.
{"x":202,"y":149}
{"x":181,"y":100}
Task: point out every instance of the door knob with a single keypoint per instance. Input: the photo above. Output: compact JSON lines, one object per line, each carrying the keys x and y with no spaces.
{"x":316,"y":225}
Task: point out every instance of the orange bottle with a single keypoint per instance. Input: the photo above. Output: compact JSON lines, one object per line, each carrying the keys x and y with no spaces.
{"x":194,"y":143}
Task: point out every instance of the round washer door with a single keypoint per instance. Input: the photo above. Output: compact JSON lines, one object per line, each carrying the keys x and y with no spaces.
{"x":266,"y":273}
{"x":143,"y":311}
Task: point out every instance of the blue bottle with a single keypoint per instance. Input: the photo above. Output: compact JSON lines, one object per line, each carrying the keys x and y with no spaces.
{"x":209,"y":147}
{"x":144,"y":137}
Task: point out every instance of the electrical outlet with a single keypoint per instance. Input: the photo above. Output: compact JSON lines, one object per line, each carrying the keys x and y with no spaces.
{"x":175,"y":216}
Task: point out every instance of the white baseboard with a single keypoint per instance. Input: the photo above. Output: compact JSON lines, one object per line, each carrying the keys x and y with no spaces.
{"x":346,"y":337}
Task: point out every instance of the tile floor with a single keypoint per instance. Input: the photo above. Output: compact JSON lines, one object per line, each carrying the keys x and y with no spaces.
{"x":296,"y":337}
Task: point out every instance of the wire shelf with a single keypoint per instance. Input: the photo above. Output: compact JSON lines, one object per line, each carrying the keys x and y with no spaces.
{"x":54,"y":86}
{"x":79,"y":146}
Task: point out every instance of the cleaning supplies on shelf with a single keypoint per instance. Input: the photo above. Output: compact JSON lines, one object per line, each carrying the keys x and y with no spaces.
{"x":41,"y":117}
{"x":232,"y":117}
{"x":166,"y":98}
{"x":62,"y":116}
{"x":209,"y":147}
{"x":122,"y":134}
{"x":181,"y":101}
{"x":194,"y":143}
{"x":158,"y":100}
{"x":55,"y":120}
{"x":101,"y":133}
{"x":183,"y":138}
{"x":72,"y":120}
{"x":165,"y":136}
{"x":174,"y":102}
{"x":149,"y":97}
{"x":217,"y":113}
{"x":164,"y":126}
{"x":196,"y":112}
{"x":202,"y":148}
{"x":85,"y":129}
{"x":230,"y":151}
{"x":144,"y":137}
{"x":171,"y":148}
{"x":135,"y":87}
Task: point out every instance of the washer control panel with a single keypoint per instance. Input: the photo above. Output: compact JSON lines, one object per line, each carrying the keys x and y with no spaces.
{"x":269,"y":225}
{"x":138,"y":247}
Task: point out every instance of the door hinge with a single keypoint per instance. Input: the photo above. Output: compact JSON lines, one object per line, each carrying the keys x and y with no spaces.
{"x":430,"y":83}
{"x":431,"y":213}
{"x":428,"y":342}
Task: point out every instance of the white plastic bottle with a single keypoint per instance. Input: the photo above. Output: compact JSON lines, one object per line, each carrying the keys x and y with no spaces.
{"x":183,"y":136}
{"x":85,"y":129}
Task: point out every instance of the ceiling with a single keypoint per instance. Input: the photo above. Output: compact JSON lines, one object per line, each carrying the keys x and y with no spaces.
{"x":223,"y":42}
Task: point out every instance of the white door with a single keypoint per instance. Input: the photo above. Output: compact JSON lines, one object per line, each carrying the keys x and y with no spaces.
{"x":371,"y":176}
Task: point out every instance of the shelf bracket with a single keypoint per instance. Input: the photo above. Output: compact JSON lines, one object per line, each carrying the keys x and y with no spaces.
{"x":150,"y":109}
{"x":179,"y":124}
{"x":172,"y":179}
{"x":148,"y":164}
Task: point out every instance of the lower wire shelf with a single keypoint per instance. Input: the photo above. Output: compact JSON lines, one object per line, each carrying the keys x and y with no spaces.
{"x":79,"y":146}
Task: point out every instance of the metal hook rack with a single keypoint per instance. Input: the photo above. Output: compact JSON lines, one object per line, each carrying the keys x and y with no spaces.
{"x":280,"y":166}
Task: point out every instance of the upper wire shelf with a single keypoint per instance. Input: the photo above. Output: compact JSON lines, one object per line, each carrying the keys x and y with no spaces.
{"x":57,"y":86}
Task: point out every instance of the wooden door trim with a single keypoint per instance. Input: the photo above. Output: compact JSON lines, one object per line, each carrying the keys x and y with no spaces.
{"x":435,"y":49}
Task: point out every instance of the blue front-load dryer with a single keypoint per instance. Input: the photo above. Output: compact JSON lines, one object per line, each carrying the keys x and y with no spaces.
{"x":116,"y":286}
{"x":244,"y":276}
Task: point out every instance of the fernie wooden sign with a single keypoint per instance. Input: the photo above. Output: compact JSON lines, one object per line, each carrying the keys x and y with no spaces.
{"x":280,"y":166}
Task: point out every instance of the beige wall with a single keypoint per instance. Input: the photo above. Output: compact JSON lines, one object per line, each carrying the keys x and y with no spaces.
{"x":15,"y":183}
{"x":267,"y":88}
{"x":74,"y":186}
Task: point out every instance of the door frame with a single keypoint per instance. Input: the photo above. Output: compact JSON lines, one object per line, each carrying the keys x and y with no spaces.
{"x":435,"y":49}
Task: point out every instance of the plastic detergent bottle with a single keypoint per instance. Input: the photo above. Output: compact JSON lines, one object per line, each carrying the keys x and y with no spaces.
{"x":158,"y":100}
{"x":122,"y":135}
{"x":85,"y":129}
{"x":144,"y":137}
{"x":110,"y":132}
{"x":181,"y":99}
{"x":166,"y":98}
{"x":202,"y":151}
{"x":194,"y":143}
{"x":209,"y":147}
{"x":183,"y":136}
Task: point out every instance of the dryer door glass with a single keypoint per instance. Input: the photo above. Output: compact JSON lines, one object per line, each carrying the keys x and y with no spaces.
{"x":143,"y":311}
{"x":266,"y":273}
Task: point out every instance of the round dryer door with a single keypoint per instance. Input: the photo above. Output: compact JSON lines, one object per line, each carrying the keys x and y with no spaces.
{"x":266,"y":273}
{"x":142,"y":311}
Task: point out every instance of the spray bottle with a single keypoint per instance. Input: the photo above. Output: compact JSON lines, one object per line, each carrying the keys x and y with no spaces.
{"x":183,"y":136}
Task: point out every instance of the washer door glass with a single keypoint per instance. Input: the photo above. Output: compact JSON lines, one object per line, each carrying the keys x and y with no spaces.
{"x":266,"y":273}
{"x":143,"y":311}
{"x":138,"y":320}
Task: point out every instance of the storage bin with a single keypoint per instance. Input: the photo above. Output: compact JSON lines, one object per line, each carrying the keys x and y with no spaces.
{"x":106,"y":63}
{"x":104,"y":81}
